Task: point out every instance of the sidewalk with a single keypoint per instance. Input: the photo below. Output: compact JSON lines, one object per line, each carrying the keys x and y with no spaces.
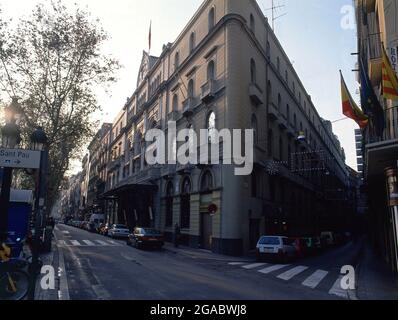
{"x":375,"y":280}
{"x":204,"y":254}
{"x":48,"y":259}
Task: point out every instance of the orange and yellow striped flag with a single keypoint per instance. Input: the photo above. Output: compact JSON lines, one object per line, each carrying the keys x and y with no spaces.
{"x":390,"y":79}
{"x":350,"y":108}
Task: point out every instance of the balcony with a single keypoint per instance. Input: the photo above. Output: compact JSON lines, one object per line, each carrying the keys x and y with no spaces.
{"x":208,"y":91}
{"x":282,"y":123}
{"x":115,"y":163}
{"x":291,"y":131}
{"x":256,"y":95}
{"x":188,"y":107}
{"x":375,"y":59}
{"x":173,"y":116}
{"x":273,"y":112}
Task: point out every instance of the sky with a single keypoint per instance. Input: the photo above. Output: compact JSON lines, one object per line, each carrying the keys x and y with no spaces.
{"x":310,"y":31}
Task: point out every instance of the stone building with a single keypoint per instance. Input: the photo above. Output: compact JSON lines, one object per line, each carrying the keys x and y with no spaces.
{"x":227,"y":70}
{"x":377,"y":28}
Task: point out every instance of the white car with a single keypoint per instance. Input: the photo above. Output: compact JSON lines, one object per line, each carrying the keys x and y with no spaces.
{"x":279,"y":247}
{"x":118,"y":231}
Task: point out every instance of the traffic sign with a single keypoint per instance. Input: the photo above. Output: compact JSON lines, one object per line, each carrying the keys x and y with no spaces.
{"x":19,"y":158}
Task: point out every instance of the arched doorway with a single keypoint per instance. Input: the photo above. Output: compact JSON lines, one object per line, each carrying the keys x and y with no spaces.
{"x":206,"y":220}
{"x":185,"y":205}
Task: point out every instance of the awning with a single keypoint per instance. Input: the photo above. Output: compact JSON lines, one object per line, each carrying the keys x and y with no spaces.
{"x":381,"y":155}
{"x":114,"y":194}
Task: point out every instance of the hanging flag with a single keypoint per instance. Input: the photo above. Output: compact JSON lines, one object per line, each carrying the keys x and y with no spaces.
{"x":370,"y":102}
{"x":350,"y":108}
{"x":390,"y":79}
{"x":150,"y":36}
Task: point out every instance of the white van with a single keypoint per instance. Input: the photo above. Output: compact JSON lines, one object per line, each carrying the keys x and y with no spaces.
{"x":96,"y":220}
{"x":279,"y":247}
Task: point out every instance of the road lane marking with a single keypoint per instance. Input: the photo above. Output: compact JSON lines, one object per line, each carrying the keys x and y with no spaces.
{"x":337,"y":290}
{"x":254,"y":265}
{"x":65,"y":232}
{"x":315,"y":279}
{"x":114,"y":242}
{"x":273,"y":268}
{"x":292,"y":273}
{"x":61,"y":243}
{"x":63,"y":292}
{"x":236,"y":263}
{"x":75,"y":243}
{"x":89,"y":243}
{"x":103,"y":243}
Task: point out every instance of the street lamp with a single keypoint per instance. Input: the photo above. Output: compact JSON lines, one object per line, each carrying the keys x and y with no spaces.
{"x":38,"y":139}
{"x":10,"y":136}
{"x":13,"y":113}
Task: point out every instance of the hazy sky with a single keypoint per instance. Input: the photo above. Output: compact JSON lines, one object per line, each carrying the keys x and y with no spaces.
{"x":310,"y":33}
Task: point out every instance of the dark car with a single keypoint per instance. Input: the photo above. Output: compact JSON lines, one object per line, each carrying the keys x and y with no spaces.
{"x":313,"y":244}
{"x":146,"y":237}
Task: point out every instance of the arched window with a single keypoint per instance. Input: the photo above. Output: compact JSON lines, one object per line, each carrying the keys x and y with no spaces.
{"x":176,"y":61}
{"x":211,"y":72}
{"x":185,"y":207}
{"x":270,"y":143}
{"x":192,"y":42}
{"x":253,"y":75}
{"x":169,"y":204}
{"x":191,"y":90}
{"x":175,"y":103}
{"x":212,"y":21}
{"x":211,"y":126}
{"x":255,"y":128}
{"x":206,"y":183}
{"x":252,"y":23}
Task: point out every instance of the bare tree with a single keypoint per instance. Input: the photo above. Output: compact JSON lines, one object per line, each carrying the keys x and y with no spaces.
{"x":53,"y":62}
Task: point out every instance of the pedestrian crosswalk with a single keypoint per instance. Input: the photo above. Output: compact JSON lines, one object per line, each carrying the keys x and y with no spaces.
{"x":88,"y":243}
{"x":311,"y":278}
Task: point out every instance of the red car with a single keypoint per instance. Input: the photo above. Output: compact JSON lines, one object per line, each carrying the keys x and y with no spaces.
{"x":301,"y":246}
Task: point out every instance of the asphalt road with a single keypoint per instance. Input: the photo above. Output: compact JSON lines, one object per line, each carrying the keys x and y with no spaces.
{"x":99,"y":268}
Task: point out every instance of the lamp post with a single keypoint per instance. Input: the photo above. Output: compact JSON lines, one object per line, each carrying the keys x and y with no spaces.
{"x":38,"y":143}
{"x":10,"y":138}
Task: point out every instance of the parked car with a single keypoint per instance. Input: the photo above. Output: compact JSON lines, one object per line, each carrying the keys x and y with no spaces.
{"x":327,"y":238}
{"x":146,"y":237}
{"x":313,"y":244}
{"x":90,"y":227}
{"x":99,"y":229}
{"x":118,"y":231}
{"x":301,"y":246}
{"x":276,"y":247}
{"x":104,"y":230}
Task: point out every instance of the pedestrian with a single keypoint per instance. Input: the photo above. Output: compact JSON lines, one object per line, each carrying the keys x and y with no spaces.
{"x":177,"y":233}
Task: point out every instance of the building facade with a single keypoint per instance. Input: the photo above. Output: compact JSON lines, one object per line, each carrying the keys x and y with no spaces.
{"x":227,"y":70}
{"x":377,"y":28}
